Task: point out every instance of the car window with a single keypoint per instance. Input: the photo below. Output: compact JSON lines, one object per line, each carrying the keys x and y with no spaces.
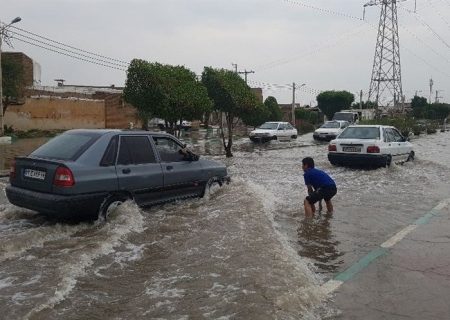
{"x":269,"y":126}
{"x":289,"y":127}
{"x":360,"y":133}
{"x":169,"y":150}
{"x":344,"y":125}
{"x":135,"y":150}
{"x":68,"y":146}
{"x":282,"y":126}
{"x":396,"y":136}
{"x":109,"y":158}
{"x":330,"y":124}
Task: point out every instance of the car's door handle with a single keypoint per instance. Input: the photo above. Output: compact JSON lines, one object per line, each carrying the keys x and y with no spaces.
{"x":126,"y":171}
{"x":169,"y":168}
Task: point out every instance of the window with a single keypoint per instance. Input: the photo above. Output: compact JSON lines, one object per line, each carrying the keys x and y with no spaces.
{"x":135,"y":150}
{"x":269,"y":126}
{"x":289,"y":127}
{"x":68,"y":146}
{"x":360,"y":133}
{"x":169,"y":150}
{"x":396,"y":136}
{"x":282,"y":126}
{"x":109,"y":158}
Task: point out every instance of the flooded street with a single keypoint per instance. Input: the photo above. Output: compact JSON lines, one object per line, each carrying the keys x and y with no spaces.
{"x":244,"y":252}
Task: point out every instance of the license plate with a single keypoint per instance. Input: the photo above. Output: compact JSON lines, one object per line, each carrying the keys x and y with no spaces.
{"x":34,"y":174}
{"x":351,"y":149}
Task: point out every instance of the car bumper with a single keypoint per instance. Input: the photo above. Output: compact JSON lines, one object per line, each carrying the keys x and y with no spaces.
{"x":327,"y":137}
{"x":56,"y":205}
{"x":262,"y":138}
{"x":364,"y":160}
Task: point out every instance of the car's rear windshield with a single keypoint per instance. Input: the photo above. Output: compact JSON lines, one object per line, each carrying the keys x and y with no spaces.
{"x":360,"y":133}
{"x":330,"y":125}
{"x":269,"y":126}
{"x":68,"y":146}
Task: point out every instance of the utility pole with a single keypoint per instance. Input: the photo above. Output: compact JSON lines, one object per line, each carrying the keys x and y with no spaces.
{"x":245,"y":72}
{"x":360,"y":99}
{"x":431,"y":89}
{"x":235,"y":67}
{"x":386,"y":79}
{"x":293,"y":104}
{"x":436,"y":100}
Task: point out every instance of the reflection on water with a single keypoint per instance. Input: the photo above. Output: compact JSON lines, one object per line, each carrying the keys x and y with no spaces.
{"x":319,"y":244}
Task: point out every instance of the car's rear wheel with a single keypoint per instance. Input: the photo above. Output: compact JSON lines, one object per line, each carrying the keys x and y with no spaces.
{"x":388,"y":160}
{"x":411,"y":156}
{"x":110,"y":205}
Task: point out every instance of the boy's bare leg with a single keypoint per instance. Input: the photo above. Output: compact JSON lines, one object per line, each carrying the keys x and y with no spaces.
{"x":329,"y":207}
{"x":309,"y":209}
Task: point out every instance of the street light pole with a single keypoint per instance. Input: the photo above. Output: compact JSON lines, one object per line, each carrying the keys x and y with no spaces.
{"x":3,"y":34}
{"x":293,"y":101}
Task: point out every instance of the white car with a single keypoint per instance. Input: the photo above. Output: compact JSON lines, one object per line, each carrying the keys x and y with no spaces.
{"x":369,"y":145}
{"x":330,"y":130}
{"x":274,"y":131}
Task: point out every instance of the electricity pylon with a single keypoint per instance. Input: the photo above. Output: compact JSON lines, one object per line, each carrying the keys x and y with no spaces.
{"x":386,"y":81}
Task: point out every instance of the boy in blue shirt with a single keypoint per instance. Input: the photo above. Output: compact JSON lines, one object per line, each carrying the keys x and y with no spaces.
{"x":320,"y":186}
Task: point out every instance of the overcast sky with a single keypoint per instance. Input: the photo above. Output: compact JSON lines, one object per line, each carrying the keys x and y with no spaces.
{"x":282,"y":41}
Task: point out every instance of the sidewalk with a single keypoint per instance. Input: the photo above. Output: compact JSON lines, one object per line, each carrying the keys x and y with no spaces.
{"x":410,"y":280}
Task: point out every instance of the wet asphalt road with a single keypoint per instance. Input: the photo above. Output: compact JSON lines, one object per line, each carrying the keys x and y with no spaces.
{"x":245,"y":253}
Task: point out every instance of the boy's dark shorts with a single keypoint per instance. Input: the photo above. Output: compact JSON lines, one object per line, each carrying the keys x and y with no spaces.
{"x":325,"y":193}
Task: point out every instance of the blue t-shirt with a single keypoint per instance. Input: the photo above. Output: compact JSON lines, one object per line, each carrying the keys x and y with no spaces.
{"x":318,"y":179}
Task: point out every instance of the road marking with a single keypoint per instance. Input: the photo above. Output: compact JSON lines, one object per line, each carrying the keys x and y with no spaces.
{"x":333,"y":284}
{"x":398,"y":236}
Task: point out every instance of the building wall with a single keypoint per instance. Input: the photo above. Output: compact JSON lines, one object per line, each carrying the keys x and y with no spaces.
{"x":50,"y":113}
{"x":118,"y":114}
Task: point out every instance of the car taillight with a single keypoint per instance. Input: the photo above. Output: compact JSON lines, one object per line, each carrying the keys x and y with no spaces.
{"x":332,"y":147}
{"x":12,"y":170}
{"x":373,"y":149}
{"x":63,"y":177}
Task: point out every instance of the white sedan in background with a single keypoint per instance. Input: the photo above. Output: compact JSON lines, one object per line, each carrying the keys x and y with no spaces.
{"x":274,"y":131}
{"x":330,"y":130}
{"x":369,"y":145}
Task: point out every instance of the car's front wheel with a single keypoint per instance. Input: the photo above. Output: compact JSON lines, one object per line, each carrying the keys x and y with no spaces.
{"x":110,"y":204}
{"x":411,"y":156}
{"x":212,"y":186}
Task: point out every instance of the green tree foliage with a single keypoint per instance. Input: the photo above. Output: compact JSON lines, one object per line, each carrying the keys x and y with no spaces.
{"x":12,"y":81}
{"x":423,"y":110}
{"x":164,"y":91}
{"x":307,"y":115}
{"x":231,"y":96}
{"x":275,"y":112}
{"x":257,"y":116}
{"x":330,"y":102}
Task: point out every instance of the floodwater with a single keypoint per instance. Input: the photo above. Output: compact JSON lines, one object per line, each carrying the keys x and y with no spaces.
{"x":244,"y":252}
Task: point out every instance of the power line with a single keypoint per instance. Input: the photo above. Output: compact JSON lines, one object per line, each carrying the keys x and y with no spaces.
{"x":323,"y":10}
{"x":43,"y":43}
{"x":438,"y":13}
{"x":69,"y":46}
{"x":68,"y":55}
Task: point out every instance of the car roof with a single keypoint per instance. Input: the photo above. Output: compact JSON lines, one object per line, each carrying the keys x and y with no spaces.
{"x":121,"y":131}
{"x":370,"y":126}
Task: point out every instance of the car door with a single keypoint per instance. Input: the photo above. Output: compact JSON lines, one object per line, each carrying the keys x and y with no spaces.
{"x":290,"y":130}
{"x":182,"y":176}
{"x":137,"y":168}
{"x":391,"y":145}
{"x":401,"y":144}
{"x":282,"y":131}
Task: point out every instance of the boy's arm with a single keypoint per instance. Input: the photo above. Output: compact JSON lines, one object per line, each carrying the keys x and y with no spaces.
{"x":310,"y":188}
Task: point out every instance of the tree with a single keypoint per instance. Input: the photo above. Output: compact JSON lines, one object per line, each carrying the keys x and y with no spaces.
{"x":187,"y":98}
{"x":272,"y":105}
{"x":256,"y":117}
{"x":419,"y":104}
{"x":144,"y":88}
{"x":12,"y":81}
{"x":164,"y":91}
{"x":330,"y":102}
{"x":231,"y":96}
